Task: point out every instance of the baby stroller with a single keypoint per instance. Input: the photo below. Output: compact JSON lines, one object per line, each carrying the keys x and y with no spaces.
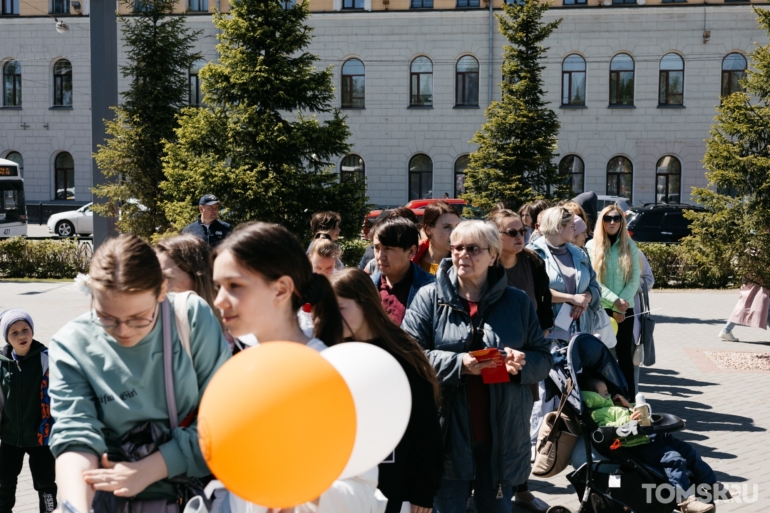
{"x":606,"y":478}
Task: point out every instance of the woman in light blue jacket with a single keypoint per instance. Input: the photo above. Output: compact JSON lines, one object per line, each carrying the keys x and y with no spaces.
{"x":573,"y":280}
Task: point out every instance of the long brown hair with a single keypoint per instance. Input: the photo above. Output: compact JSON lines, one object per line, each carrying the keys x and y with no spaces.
{"x":272,"y":251}
{"x":193,"y":256}
{"x":356,"y":285}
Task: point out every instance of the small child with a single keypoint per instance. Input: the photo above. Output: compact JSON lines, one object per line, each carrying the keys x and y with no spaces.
{"x":25,"y":414}
{"x":663,"y":452}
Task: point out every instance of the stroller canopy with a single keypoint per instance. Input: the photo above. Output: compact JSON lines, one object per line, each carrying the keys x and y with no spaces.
{"x":587,"y":354}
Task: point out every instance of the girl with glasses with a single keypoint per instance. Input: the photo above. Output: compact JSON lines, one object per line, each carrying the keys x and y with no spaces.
{"x":469,"y":308}
{"x":107,"y":382}
{"x":616,"y":262}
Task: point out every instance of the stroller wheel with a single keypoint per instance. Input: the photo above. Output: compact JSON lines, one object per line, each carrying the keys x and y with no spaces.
{"x":558,"y":509}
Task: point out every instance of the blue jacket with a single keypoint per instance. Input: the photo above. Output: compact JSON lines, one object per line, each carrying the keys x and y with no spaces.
{"x":586,"y":281}
{"x":419,"y":279}
{"x":438,"y":321}
{"x":214,"y":234}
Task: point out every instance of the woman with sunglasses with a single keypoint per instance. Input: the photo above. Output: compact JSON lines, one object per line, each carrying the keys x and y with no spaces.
{"x":471,"y":308}
{"x":107,"y":382}
{"x":616,"y":262}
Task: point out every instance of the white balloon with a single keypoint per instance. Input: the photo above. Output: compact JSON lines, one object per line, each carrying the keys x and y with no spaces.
{"x":382,"y":397}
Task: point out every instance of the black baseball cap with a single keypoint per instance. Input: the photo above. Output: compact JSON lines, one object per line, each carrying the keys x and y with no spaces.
{"x":208,"y":199}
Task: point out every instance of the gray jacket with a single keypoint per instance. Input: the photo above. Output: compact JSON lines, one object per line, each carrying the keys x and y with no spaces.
{"x":438,"y":321}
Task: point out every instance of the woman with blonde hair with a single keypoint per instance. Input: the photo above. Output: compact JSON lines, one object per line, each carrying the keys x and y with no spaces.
{"x":615,"y":259}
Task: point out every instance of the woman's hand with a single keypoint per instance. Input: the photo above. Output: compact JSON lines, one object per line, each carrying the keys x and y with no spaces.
{"x":619,"y":317}
{"x":582,"y":300}
{"x":621,"y":305}
{"x":126,"y":479}
{"x":420,"y":509}
{"x":514,"y":360}
{"x":473,"y":366}
{"x":577,"y":311}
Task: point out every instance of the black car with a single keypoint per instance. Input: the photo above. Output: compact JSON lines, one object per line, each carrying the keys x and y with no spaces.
{"x":663,"y":222}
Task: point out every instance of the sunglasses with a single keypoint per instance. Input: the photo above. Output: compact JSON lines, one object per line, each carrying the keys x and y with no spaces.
{"x":472,"y":249}
{"x":515,"y":233}
{"x":612,"y":219}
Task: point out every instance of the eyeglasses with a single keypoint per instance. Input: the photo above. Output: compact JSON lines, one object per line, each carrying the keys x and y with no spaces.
{"x":612,"y":219}
{"x":515,"y":233}
{"x":111,"y":323}
{"x":472,"y":249}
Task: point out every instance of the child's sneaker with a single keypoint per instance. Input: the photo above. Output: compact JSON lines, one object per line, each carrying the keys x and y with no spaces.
{"x":728,"y":336}
{"x":693,"y":505}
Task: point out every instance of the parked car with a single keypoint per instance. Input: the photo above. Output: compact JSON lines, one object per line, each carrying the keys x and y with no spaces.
{"x":662,"y":222}
{"x":605,"y":201}
{"x":72,"y":222}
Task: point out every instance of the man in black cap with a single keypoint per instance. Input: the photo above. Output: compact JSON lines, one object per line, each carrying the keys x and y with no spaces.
{"x":208,"y":227}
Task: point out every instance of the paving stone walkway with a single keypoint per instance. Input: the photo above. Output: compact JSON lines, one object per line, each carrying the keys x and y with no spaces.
{"x":727,"y":411}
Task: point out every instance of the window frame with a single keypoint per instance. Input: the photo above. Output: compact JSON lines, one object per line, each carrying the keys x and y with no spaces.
{"x":730,"y":72}
{"x":568,"y":74}
{"x":615,"y":79}
{"x":668,"y":175}
{"x":346,"y":175}
{"x":66,"y":171}
{"x":9,"y":8}
{"x":20,"y":164}
{"x":468,"y":4}
{"x":423,"y":4}
{"x":350,"y":5}
{"x":418,"y":75}
{"x":466,"y":77}
{"x":617,"y":177}
{"x":193,"y":78}
{"x":59,"y":83}
{"x":466,"y":156}
{"x":572,"y":174}
{"x":17,"y":89}
{"x":667,"y":74}
{"x":348,"y":79}
{"x":60,"y":6}
{"x":420,"y":173}
{"x":202,"y":5}
{"x":574,"y":2}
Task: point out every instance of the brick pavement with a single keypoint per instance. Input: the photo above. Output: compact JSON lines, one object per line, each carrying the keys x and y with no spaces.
{"x":727,"y":413}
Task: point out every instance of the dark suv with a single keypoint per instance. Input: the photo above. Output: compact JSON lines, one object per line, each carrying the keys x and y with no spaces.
{"x":659,"y":222}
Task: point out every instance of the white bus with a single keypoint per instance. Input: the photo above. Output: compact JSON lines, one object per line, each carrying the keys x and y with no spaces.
{"x":13,"y":209}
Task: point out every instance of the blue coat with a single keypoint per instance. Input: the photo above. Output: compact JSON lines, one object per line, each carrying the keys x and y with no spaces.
{"x":419,"y":279}
{"x":438,"y":321}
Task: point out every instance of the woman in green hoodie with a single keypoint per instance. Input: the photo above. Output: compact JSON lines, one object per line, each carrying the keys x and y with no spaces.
{"x":107,"y":378}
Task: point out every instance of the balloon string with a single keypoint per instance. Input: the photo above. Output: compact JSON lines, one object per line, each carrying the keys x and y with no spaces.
{"x":642,"y":313}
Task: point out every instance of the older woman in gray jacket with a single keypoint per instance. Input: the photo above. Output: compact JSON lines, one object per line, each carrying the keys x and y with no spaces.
{"x":486,"y":426}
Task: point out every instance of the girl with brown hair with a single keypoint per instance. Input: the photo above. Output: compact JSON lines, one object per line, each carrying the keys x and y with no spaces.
{"x":413,"y":474}
{"x":438,"y":221}
{"x":107,"y":368}
{"x":186,"y":264}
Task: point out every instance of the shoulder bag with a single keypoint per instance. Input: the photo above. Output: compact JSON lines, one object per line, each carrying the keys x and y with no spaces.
{"x":557,"y":438}
{"x":648,"y":327}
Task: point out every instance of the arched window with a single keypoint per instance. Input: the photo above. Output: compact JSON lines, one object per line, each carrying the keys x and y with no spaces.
{"x":352,"y":167}
{"x":733,"y":71}
{"x":573,"y":169}
{"x":467,"y":82}
{"x":421,"y":82}
{"x":353,"y":83}
{"x":620,"y":178}
{"x":573,"y":81}
{"x":12,"y":84}
{"x":671,"y":83}
{"x":15,"y":156}
{"x":461,"y":164}
{"x":622,"y":80}
{"x":668,"y":180}
{"x":62,"y":83}
{"x":10,"y":7}
{"x":199,"y":5}
{"x":420,"y":177}
{"x":64,"y":176}
{"x":196,"y":96}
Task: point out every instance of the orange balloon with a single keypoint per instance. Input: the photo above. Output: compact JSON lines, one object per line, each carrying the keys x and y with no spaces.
{"x":277,"y":424}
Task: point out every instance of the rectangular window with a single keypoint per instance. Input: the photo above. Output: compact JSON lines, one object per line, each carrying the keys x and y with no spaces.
{"x":467,"y":3}
{"x":671,"y":88}
{"x":10,"y":7}
{"x":288,"y":4}
{"x":621,"y":88}
{"x":62,"y":91}
{"x":573,"y":88}
{"x":199,"y":5}
{"x":574,"y":2}
{"x":618,"y":2}
{"x":422,"y":4}
{"x":61,"y":6}
{"x":353,"y":4}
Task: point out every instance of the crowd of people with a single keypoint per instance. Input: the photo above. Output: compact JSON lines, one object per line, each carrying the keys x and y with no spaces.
{"x":431,"y":294}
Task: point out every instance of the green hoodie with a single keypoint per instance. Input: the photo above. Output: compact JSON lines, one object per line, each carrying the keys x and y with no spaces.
{"x":605,"y":413}
{"x":100,"y":389}
{"x":21,"y":385}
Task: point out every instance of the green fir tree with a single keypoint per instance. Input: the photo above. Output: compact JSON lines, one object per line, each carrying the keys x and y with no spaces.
{"x":243,"y":145}
{"x":515,"y":159}
{"x":734,"y":232}
{"x":159,"y":51}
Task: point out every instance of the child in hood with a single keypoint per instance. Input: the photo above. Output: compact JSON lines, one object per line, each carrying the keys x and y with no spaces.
{"x":663,"y":452}
{"x":25,"y":414}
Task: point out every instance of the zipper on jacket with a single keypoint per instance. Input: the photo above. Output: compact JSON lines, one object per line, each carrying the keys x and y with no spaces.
{"x":499,"y":491}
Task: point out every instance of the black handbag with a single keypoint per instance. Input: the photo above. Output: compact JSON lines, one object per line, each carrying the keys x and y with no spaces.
{"x":647,"y":329}
{"x":146,"y":439}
